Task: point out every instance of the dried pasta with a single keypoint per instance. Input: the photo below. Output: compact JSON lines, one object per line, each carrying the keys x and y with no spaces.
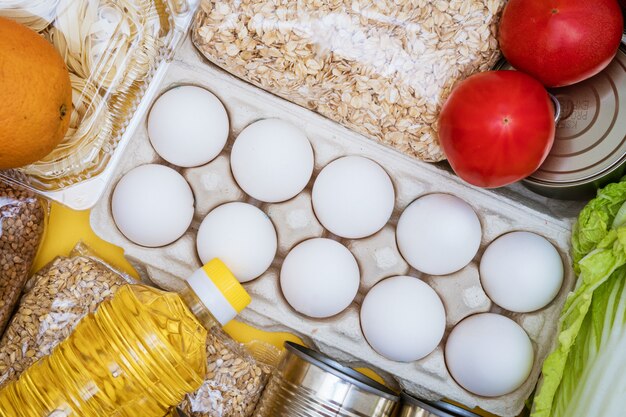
{"x":90,"y":128}
{"x":97,"y":38}
{"x":111,"y":48}
{"x":36,"y":14}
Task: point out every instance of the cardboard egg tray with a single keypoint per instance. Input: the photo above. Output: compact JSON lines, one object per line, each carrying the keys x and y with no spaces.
{"x":340,"y":337}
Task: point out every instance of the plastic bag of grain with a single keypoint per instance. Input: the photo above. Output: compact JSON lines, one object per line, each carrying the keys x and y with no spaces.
{"x":381,"y":68}
{"x":235,"y":380}
{"x":55,"y":299}
{"x":22,"y":224}
{"x":60,"y":295}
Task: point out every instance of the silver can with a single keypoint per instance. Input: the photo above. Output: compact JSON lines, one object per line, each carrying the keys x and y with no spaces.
{"x":309,"y":384}
{"x":413,"y":407}
{"x":590,"y":146}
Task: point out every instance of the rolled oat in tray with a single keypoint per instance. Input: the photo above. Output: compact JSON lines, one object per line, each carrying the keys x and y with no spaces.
{"x":380,"y":68}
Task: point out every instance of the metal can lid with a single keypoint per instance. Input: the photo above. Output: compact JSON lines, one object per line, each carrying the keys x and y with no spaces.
{"x":591,"y":134}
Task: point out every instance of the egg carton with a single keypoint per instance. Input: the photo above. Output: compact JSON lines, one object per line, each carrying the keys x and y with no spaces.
{"x":340,"y":337}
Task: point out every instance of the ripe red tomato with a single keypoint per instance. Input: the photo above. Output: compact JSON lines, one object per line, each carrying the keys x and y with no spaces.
{"x":497,"y":128}
{"x":561,"y":42}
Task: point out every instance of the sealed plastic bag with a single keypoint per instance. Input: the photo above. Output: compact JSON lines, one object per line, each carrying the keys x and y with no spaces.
{"x":22,"y":223}
{"x":234,"y":383}
{"x":69,"y":288}
{"x":380,"y":68}
{"x":54,"y":301}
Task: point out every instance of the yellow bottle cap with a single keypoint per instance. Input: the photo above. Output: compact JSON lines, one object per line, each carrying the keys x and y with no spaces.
{"x":228,"y":285}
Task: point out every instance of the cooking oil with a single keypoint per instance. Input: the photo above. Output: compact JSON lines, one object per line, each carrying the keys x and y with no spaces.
{"x":137,"y":355}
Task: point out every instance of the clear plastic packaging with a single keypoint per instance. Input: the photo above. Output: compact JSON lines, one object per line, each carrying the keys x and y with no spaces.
{"x":22,"y":225}
{"x":380,"y":68}
{"x":55,"y":299}
{"x":234,"y":383}
{"x":139,"y":353}
{"x":235,"y":379}
{"x":113,"y":49}
{"x":58,"y":297}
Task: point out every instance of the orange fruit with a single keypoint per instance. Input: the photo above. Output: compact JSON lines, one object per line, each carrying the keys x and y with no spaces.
{"x":35,"y":96}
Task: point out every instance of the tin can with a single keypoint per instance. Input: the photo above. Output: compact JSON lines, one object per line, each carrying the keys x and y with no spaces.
{"x":590,"y":145}
{"x":413,"y":407}
{"x":309,"y":384}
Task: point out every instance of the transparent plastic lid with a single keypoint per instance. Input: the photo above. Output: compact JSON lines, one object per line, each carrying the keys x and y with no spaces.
{"x":113,"y":50}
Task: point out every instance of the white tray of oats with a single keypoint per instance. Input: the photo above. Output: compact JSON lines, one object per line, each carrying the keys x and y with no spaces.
{"x":370,"y":256}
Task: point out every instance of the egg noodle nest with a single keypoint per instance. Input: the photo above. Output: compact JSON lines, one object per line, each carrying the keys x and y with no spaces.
{"x":109,"y":46}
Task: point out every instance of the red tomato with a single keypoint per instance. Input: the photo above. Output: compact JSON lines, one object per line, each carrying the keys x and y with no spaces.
{"x":497,"y":128}
{"x":561,"y":42}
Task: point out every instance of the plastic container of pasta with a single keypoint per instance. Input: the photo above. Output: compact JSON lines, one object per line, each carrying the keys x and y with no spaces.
{"x":115,"y":50}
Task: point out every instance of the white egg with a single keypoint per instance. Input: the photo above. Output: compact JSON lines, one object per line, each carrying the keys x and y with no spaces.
{"x":152,"y":205}
{"x":272,"y":160}
{"x":521,"y":272}
{"x":320,"y":278}
{"x":241,"y":236}
{"x":439,"y":234}
{"x":188,"y":126}
{"x":403,"y":318}
{"x":353,"y":197}
{"x":489,"y":355}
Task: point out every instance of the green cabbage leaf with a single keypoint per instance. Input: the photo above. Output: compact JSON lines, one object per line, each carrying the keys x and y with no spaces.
{"x":596,"y":220}
{"x":585,"y":376}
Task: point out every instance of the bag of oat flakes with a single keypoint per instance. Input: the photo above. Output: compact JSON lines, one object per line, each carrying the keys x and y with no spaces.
{"x":22,"y":223}
{"x":381,"y":68}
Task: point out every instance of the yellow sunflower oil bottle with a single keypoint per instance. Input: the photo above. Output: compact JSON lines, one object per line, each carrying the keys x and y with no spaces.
{"x":136,"y":356}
